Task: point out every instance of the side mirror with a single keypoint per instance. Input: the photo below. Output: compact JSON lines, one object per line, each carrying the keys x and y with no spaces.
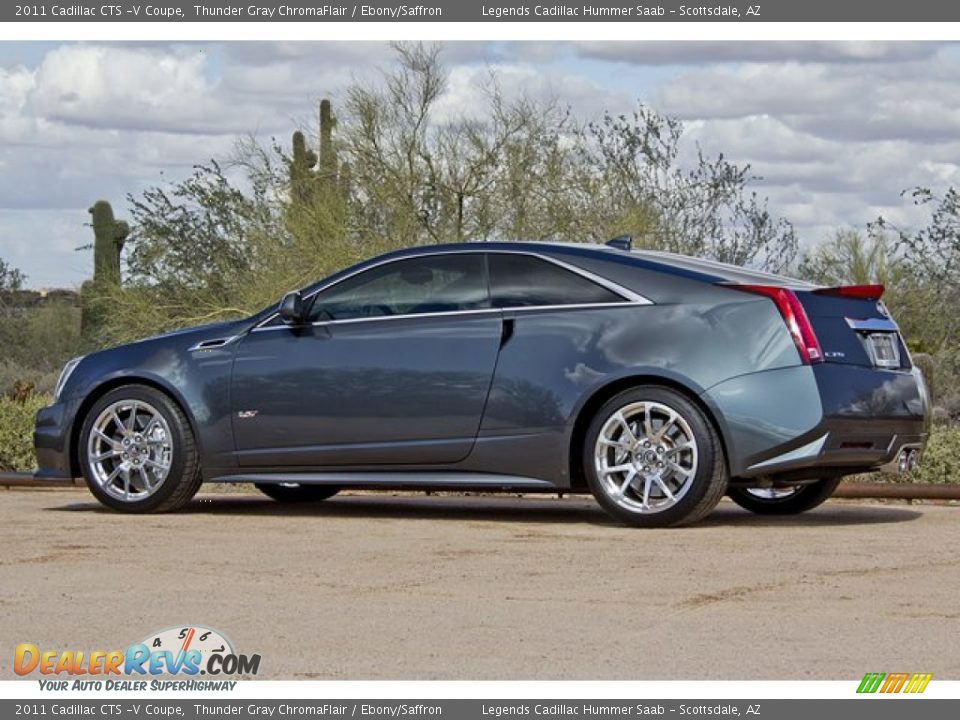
{"x":291,"y":308}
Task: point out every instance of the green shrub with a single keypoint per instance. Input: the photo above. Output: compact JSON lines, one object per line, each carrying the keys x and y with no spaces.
{"x":16,"y":432}
{"x":35,"y":342}
{"x":941,"y":459}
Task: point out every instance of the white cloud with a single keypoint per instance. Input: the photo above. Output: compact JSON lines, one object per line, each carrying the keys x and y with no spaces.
{"x":702,"y":52}
{"x":919,"y":102}
{"x":836,"y":130}
{"x":835,"y":143}
{"x":125,"y":88}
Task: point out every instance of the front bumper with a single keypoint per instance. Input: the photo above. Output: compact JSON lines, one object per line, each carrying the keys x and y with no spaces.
{"x":51,"y":441}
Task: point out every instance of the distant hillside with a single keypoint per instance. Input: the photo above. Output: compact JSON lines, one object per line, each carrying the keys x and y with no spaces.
{"x":39,"y":298}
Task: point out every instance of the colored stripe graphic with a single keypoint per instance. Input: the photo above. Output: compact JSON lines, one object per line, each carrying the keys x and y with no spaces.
{"x":894,"y":682}
{"x":918,"y":682}
{"x":870,"y":683}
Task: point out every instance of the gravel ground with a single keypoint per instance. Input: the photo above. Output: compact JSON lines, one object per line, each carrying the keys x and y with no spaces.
{"x":411,"y":587}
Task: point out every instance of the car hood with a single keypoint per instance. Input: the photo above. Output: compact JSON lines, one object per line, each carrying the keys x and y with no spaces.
{"x":202,"y":332}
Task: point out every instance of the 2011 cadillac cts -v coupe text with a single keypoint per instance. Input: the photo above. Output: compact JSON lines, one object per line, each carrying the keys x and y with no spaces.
{"x":657,"y":382}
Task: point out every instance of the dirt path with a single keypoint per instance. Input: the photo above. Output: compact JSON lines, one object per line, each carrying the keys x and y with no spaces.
{"x":367,"y":587}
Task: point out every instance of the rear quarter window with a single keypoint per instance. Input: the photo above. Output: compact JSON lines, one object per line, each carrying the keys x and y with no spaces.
{"x":526,"y":281}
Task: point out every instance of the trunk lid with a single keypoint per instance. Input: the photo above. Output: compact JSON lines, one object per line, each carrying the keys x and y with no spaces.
{"x":854,"y":327}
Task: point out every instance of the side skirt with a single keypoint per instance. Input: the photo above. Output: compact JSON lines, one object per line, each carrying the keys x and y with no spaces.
{"x":404,"y":479}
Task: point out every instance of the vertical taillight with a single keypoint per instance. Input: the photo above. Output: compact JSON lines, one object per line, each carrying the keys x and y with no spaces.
{"x":793,"y":315}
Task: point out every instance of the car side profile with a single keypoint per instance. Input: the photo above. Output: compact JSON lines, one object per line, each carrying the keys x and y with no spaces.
{"x":657,"y":382}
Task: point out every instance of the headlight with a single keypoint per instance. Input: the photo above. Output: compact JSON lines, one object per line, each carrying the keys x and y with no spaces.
{"x":65,"y":375}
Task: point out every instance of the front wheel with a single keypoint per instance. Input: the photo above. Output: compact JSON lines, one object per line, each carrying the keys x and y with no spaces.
{"x":137,"y":451}
{"x":295,"y":492}
{"x":652,"y":459}
{"x":786,"y":500}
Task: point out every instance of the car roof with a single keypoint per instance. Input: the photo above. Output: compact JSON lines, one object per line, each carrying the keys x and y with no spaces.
{"x":696,"y":268}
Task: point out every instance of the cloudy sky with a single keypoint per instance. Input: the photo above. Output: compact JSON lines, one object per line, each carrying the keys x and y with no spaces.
{"x":835,"y":130}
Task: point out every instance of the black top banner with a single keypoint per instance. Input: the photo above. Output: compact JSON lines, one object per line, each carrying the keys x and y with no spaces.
{"x":489,"y":11}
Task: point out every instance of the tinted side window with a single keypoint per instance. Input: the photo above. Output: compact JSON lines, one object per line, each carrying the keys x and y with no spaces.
{"x":441,"y":283}
{"x":522,"y":281}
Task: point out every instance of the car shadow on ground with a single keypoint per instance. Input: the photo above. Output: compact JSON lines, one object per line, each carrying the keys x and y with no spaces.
{"x":509,"y":509}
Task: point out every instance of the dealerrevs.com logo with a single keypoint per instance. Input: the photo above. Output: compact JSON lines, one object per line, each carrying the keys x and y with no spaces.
{"x":190,"y":650}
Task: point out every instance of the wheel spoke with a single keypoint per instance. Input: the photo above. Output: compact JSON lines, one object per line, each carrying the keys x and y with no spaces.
{"x":126,"y":483}
{"x":106,"y":438}
{"x":617,"y":468}
{"x":663,"y":486}
{"x":145,"y":476}
{"x":646,"y":491}
{"x":118,"y":422}
{"x":153,"y":463}
{"x":627,"y":430}
{"x":626,"y":483}
{"x":113,"y":475}
{"x":106,"y":456}
{"x":676,"y":468}
{"x":648,"y":423}
{"x":132,"y":419}
{"x":619,"y":444}
{"x":658,"y":436}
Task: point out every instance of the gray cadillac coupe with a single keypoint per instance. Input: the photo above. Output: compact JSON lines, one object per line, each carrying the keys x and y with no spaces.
{"x":657,"y":382}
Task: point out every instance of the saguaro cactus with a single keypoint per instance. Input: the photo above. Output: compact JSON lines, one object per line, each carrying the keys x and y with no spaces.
{"x":109,"y":235}
{"x":310,"y":172}
{"x":319,"y":191}
{"x":302,"y":164}
{"x":328,"y":153}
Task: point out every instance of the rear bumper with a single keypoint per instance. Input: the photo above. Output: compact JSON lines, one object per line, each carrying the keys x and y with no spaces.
{"x":828,"y":419}
{"x":872,"y":415}
{"x":51,"y":434}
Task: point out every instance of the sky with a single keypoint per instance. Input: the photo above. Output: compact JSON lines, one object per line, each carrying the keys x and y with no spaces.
{"x":834,"y":131}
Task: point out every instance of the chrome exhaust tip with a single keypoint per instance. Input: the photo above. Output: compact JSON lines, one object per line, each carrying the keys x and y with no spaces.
{"x":903,"y":461}
{"x":908,"y":460}
{"x":913,"y":461}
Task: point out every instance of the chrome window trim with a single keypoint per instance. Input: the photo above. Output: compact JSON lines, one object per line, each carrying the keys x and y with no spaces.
{"x":452,"y":313}
{"x":630,"y":297}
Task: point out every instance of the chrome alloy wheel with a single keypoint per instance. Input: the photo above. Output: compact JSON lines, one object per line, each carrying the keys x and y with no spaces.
{"x":774,"y":493}
{"x":129,"y":450}
{"x":646,"y":457}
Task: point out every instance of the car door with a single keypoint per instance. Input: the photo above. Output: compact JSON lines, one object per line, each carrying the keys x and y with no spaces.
{"x":393,"y":367}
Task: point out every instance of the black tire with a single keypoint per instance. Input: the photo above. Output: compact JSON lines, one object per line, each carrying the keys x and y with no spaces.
{"x":294,"y":492}
{"x":703,"y":489}
{"x":183,"y":478}
{"x":805,"y":497}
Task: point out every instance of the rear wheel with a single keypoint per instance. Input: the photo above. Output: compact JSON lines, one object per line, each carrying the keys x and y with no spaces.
{"x":137,"y":451}
{"x":295,"y":492}
{"x":786,"y":500}
{"x":652,"y":459}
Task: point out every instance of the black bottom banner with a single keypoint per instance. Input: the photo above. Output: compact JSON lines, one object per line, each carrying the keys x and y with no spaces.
{"x":875,"y":708}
